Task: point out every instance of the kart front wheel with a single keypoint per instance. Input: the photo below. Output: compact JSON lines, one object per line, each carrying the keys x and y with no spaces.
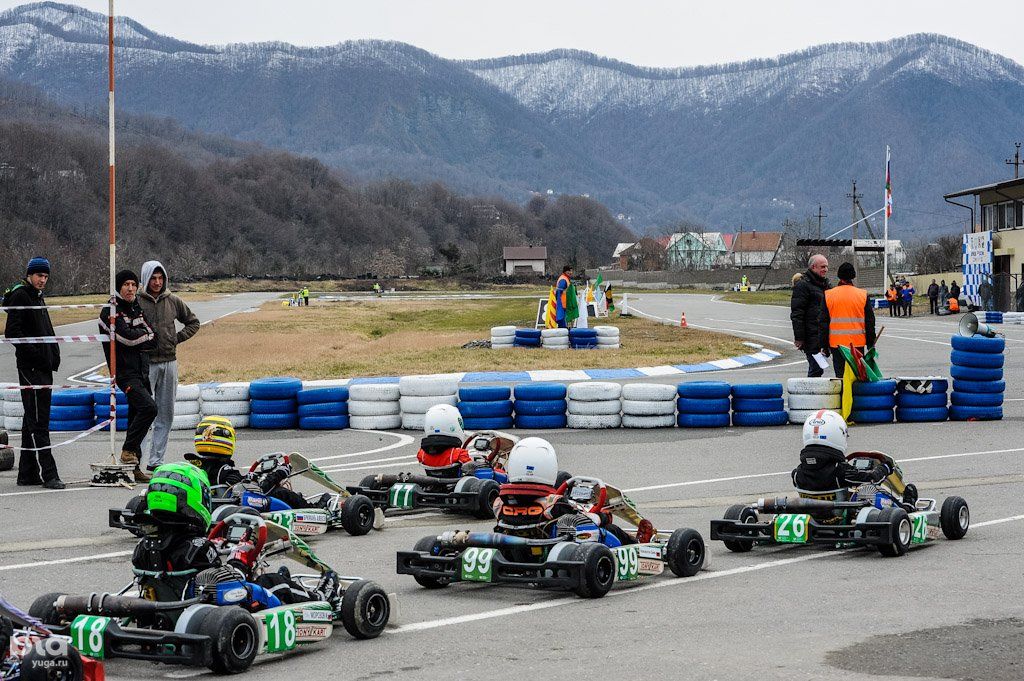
{"x":686,"y":552}
{"x":365,"y":609}
{"x":954,"y":518}
{"x":598,"y":570}
{"x":486,"y":493}
{"x":357,"y":515}
{"x":44,"y":608}
{"x":43,"y":664}
{"x":745,"y":515}
{"x":902,"y":531}
{"x":426,"y":545}
{"x":235,"y":636}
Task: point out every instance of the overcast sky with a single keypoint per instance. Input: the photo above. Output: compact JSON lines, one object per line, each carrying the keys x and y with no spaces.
{"x":644,"y":32}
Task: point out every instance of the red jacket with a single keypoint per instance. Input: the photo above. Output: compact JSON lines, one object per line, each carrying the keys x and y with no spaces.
{"x":454,"y":456}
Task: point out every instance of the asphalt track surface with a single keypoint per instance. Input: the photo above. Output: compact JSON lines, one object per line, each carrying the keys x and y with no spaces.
{"x":946,"y":610}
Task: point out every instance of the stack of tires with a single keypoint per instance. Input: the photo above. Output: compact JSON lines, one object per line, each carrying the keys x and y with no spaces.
{"x":420,"y":393}
{"x":873,"y":401}
{"x":187,"y":412}
{"x":323,"y":408}
{"x":703,"y":404}
{"x":758,"y":404}
{"x":486,"y":407}
{"x":502,"y":337}
{"x":101,"y":409}
{"x":593,"y":405}
{"x":607,"y":337}
{"x":978,"y":384}
{"x":527,"y":338}
{"x":374,"y":406}
{"x":992,"y":317}
{"x":540,"y":405}
{"x":230,"y":400}
{"x":921,"y":399}
{"x":809,"y":395}
{"x":273,"y":404}
{"x":583,"y":339}
{"x":555,"y":339}
{"x":1013,"y":317}
{"x":648,"y":405}
{"x":71,"y":410}
{"x":14,"y":409}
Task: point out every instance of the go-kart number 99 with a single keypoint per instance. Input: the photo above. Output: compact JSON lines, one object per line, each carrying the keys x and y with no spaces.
{"x":791,"y":528}
{"x":280,"y":631}
{"x":476,"y":564}
{"x":87,"y":635}
{"x":627,"y":563}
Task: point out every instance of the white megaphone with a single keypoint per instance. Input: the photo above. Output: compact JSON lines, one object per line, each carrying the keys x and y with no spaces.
{"x":970,"y":326}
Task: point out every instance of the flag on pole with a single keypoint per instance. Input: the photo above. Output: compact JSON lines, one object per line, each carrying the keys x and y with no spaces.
{"x":888,"y":186}
{"x":599,"y":305}
{"x":859,"y":367}
{"x":549,"y":310}
{"x":572,"y":305}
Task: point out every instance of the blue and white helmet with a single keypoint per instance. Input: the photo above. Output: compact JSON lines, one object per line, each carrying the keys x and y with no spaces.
{"x":533,"y":459}
{"x":826,"y":427}
{"x":444,"y":419}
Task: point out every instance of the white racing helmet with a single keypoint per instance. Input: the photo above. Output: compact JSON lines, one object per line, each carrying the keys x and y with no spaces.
{"x":533,"y":459}
{"x":826,"y":428}
{"x":444,"y":419}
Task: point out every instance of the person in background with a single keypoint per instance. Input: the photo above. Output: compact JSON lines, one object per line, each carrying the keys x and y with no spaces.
{"x":908,"y":299}
{"x":893,"y":297}
{"x":954,"y":290}
{"x":806,"y":309}
{"x":985,"y":292}
{"x":848,"y":318}
{"x":561,"y":291}
{"x":943,"y":292}
{"x":305,"y":295}
{"x":933,"y":298}
{"x":376,"y":289}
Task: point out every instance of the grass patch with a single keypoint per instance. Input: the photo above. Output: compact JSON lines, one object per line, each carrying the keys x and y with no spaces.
{"x":381,"y":338}
{"x":779,"y":297}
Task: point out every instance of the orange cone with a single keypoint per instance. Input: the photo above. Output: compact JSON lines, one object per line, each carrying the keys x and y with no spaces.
{"x":682,"y":321}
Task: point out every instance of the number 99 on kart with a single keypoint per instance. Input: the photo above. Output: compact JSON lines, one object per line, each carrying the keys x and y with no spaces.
{"x":627,"y":563}
{"x":476,"y":564}
{"x":791,"y":528}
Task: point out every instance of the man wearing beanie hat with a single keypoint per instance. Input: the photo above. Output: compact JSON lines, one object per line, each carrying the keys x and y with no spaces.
{"x":36,"y":363}
{"x":847,"y":318}
{"x":134,"y":338}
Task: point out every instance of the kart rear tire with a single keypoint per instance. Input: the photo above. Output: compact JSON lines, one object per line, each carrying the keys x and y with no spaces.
{"x":486,"y":493}
{"x":39,"y":664}
{"x":365,"y":609}
{"x":235,"y":636}
{"x":357,"y":515}
{"x":745,"y":515}
{"x":902,"y":532}
{"x":954,"y":518}
{"x":369,"y":482}
{"x":43,"y":608}
{"x":426,"y":545}
{"x":686,"y":552}
{"x":598,"y":570}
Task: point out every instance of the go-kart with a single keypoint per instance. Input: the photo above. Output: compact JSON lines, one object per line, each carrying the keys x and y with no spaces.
{"x":887,"y":515}
{"x":228,"y":619}
{"x":31,"y":652}
{"x":578,"y":556}
{"x":338,"y":508}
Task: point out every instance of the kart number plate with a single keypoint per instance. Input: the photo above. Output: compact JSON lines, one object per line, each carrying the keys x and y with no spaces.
{"x":627,"y":563}
{"x":87,"y":635}
{"x":920,"y":525}
{"x":791,"y":528}
{"x":477,"y":564}
{"x":281,"y":632}
{"x":282,"y":518}
{"x":401,"y":495}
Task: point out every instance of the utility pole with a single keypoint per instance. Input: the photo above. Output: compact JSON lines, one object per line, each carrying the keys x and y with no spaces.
{"x":1016,"y":162}
{"x":853,"y":210}
{"x":820,"y":216}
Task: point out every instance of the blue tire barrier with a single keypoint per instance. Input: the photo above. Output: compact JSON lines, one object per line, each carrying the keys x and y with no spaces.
{"x":337,"y":422}
{"x":583,"y":344}
{"x":274,"y":388}
{"x":979,"y":386}
{"x":76,"y":413}
{"x":486,"y":393}
{"x":873,"y":402}
{"x":871,"y":416}
{"x":582,"y":333}
{"x":923,"y":401}
{"x":757,"y":391}
{"x":963,"y":413}
{"x":322,"y":395}
{"x":497,"y":423}
{"x":539,"y":407}
{"x":273,"y":406}
{"x":750,"y":404}
{"x":978,"y":360}
{"x":527,"y":333}
{"x":323,"y":409}
{"x":540,"y":391}
{"x":526,"y":342}
{"x":122,"y":425}
{"x":704,"y":389}
{"x":884,"y":387}
{"x":978,"y":344}
{"x":65,"y":425}
{"x":71,"y":398}
{"x":921,"y":414}
{"x":103,"y":397}
{"x":976,"y":399}
{"x":690,"y":405}
{"x":703,"y":420}
{"x":975,"y":374}
{"x":102,"y":411}
{"x":485,"y":410}
{"x":273,"y":421}
{"x":540,"y":422}
{"x":938,"y":385}
{"x":760,"y":418}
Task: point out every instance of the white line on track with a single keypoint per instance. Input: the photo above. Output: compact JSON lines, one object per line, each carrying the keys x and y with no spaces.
{"x":403,"y":440}
{"x":62,"y":561}
{"x":363,"y":468}
{"x":342,"y":466}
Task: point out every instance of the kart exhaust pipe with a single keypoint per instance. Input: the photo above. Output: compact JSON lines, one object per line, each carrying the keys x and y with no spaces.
{"x":785,"y":505}
{"x":110,"y":605}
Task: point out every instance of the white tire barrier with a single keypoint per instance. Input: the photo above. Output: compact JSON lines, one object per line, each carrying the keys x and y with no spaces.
{"x":225,"y":392}
{"x":649,"y":391}
{"x":188,"y":393}
{"x":593,"y":421}
{"x":649,"y":408}
{"x":185,"y":421}
{"x":501,"y":344}
{"x":12,"y":423}
{"x":602,"y":408}
{"x":814,"y":386}
{"x":419,"y":405}
{"x":798,"y":416}
{"x":814,"y":402}
{"x":555,"y":342}
{"x":227,"y":408}
{"x":662,"y":421}
{"x":413,"y":421}
{"x":374,"y":392}
{"x":389,"y":422}
{"x":601,"y":346}
{"x":606,"y":341}
{"x":240,"y":421}
{"x":554,"y":333}
{"x":362,"y":408}
{"x":12,"y":395}
{"x":186,"y":407}
{"x":605,"y":331}
{"x":16,"y":409}
{"x":503,"y":332}
{"x":594,"y":391}
{"x":427,"y":386}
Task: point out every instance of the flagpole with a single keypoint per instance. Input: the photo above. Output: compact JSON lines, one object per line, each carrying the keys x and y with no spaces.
{"x":885,"y":234}
{"x":112,"y":232}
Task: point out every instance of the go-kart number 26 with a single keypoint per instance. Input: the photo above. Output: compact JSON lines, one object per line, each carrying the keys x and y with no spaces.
{"x":920,"y":525}
{"x":476,"y":564}
{"x":87,"y":635}
{"x":627,"y":563}
{"x":280,"y":631}
{"x":791,"y":528}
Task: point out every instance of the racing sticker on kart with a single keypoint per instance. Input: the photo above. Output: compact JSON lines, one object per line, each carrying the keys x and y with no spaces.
{"x":477,"y":564}
{"x":281,"y":634}
{"x":282,"y":518}
{"x":791,"y":528}
{"x":627,"y":563}
{"x":920,"y":525}
{"x":400,"y":495}
{"x":87,"y":635}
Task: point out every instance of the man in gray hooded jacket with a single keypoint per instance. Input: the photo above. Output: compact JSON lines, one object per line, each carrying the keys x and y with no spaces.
{"x":162,"y":308}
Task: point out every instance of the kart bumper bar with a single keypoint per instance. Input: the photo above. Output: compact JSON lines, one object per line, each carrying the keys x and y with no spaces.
{"x":150,"y":645}
{"x":864,"y":533}
{"x":554,"y":574}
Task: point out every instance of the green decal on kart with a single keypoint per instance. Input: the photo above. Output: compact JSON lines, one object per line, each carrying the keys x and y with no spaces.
{"x":400,"y":495}
{"x":627,"y":563}
{"x":791,"y":528}
{"x":477,"y":564}
{"x":282,"y":518}
{"x":87,"y":635}
{"x":920,"y":525}
{"x":281,"y":632}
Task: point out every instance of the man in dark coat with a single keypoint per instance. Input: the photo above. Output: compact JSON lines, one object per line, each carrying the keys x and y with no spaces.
{"x":806,"y":307}
{"x":933,"y":297}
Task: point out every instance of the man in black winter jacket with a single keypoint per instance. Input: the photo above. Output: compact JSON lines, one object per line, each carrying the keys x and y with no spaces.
{"x":134,"y":337}
{"x":806,"y":307}
{"x":36,"y":363}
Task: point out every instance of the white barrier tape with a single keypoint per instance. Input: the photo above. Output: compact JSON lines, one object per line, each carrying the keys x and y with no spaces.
{"x":51,"y":307}
{"x":76,"y":438}
{"x":98,"y":338}
{"x":77,"y":386}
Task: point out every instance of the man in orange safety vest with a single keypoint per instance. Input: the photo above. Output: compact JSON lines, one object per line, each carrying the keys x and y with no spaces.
{"x":847,"y":318}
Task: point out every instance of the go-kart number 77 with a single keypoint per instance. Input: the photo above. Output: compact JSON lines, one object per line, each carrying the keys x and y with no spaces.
{"x":477,"y":564}
{"x":87,"y":635}
{"x":791,"y":528}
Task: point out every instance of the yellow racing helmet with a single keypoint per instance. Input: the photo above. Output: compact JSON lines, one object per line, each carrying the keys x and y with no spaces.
{"x":215,"y":438}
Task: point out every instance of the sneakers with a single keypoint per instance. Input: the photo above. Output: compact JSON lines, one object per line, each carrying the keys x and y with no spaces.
{"x":129,"y":457}
{"x":55,"y":483}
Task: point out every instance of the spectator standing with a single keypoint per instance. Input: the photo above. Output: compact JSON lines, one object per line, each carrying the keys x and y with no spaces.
{"x":908,"y":299}
{"x":985,"y":292}
{"x":954,"y":290}
{"x":36,"y":364}
{"x":561,"y":296}
{"x":848,"y":318}
{"x":376,"y":289}
{"x":943,"y":291}
{"x":162,"y":309}
{"x":305,"y":295}
{"x":893,"y":297}
{"x":806,"y":309}
{"x":933,"y":298}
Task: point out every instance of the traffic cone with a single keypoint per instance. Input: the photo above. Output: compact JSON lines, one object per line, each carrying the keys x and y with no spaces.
{"x":682,"y":321}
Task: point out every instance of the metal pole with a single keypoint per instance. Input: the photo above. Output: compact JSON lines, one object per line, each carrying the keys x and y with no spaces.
{"x":112,"y":229}
{"x":885,"y":231}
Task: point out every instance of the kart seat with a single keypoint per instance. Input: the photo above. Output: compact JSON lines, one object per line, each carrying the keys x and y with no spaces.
{"x":524,"y":492}
{"x":839,"y":494}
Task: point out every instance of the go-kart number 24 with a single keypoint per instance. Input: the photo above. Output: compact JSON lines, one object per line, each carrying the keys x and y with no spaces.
{"x":280,"y":631}
{"x":791,"y":528}
{"x":627,"y":563}
{"x":477,"y":564}
{"x":87,"y":635}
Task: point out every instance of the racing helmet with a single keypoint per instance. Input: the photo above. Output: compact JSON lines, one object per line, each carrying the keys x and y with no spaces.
{"x":215,"y":438}
{"x":533,"y":459}
{"x":444,"y":419}
{"x":180,"y":492}
{"x":826,"y":427}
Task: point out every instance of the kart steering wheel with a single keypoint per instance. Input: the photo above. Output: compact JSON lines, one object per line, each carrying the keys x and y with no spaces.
{"x":595,"y":483}
{"x":268,"y":463}
{"x":242,"y":536}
